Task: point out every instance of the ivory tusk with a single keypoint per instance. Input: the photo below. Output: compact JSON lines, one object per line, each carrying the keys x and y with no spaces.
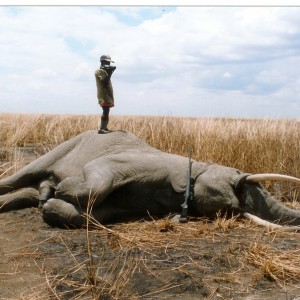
{"x":270,"y":225}
{"x":277,"y":177}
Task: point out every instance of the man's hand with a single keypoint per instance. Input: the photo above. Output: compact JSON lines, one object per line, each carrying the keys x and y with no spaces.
{"x":109,"y":69}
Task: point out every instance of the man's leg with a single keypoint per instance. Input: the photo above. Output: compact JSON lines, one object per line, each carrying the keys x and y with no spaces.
{"x":104,"y":120}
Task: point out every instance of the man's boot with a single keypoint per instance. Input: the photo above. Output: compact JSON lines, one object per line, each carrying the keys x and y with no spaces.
{"x":103,"y":127}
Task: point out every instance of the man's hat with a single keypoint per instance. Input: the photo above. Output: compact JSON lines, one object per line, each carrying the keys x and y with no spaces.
{"x":106,"y":58}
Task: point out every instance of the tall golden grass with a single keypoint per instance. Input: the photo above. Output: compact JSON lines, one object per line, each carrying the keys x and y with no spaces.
{"x":251,"y":145}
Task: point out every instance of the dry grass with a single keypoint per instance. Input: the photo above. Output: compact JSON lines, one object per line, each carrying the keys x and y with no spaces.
{"x":249,"y":145}
{"x":281,"y":266}
{"x":114,"y":256}
{"x":122,"y":256}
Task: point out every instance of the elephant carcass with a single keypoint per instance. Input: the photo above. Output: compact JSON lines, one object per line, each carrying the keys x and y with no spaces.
{"x":118,"y":176}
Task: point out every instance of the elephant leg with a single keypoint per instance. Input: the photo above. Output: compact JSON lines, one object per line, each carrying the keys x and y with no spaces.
{"x":27,"y":197}
{"x":58,"y":213}
{"x":82,"y":193}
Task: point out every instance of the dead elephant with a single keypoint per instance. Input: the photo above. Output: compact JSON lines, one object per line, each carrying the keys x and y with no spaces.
{"x":118,"y":176}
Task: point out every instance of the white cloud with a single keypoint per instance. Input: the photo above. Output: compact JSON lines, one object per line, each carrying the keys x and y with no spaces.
{"x":189,"y":60}
{"x":227,"y":75}
{"x":82,"y":71}
{"x":44,"y":73}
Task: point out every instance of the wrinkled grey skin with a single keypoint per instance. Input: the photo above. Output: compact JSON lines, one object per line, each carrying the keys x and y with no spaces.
{"x":122,"y":177}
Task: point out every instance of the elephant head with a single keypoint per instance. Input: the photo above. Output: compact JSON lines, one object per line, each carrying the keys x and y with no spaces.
{"x":222,"y":188}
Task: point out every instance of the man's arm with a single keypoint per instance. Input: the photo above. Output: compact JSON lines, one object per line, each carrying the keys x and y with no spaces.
{"x":104,"y":74}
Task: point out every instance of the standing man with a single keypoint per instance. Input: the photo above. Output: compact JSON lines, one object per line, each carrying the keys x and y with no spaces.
{"x":105,"y":93}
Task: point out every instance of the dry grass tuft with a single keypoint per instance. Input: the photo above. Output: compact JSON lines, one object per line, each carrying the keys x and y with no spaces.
{"x":223,"y":223}
{"x":281,"y":266}
{"x":165,"y":225}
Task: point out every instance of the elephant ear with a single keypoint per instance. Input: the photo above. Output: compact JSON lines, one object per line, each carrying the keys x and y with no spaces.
{"x":178,"y":179}
{"x":178,"y":170}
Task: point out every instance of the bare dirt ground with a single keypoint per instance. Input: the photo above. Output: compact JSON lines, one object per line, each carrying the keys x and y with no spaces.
{"x":149,"y":259}
{"x":222,"y":259}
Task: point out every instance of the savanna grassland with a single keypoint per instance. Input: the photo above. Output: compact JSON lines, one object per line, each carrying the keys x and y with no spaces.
{"x":223,"y":258}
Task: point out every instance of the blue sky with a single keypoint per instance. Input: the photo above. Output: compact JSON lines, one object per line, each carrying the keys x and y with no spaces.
{"x":174,"y":61}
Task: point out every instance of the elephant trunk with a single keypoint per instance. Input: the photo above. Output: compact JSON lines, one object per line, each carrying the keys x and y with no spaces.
{"x":256,"y":200}
{"x":279,"y":213}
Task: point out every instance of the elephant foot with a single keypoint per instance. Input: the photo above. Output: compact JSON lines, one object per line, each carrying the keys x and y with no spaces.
{"x":58,"y":213}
